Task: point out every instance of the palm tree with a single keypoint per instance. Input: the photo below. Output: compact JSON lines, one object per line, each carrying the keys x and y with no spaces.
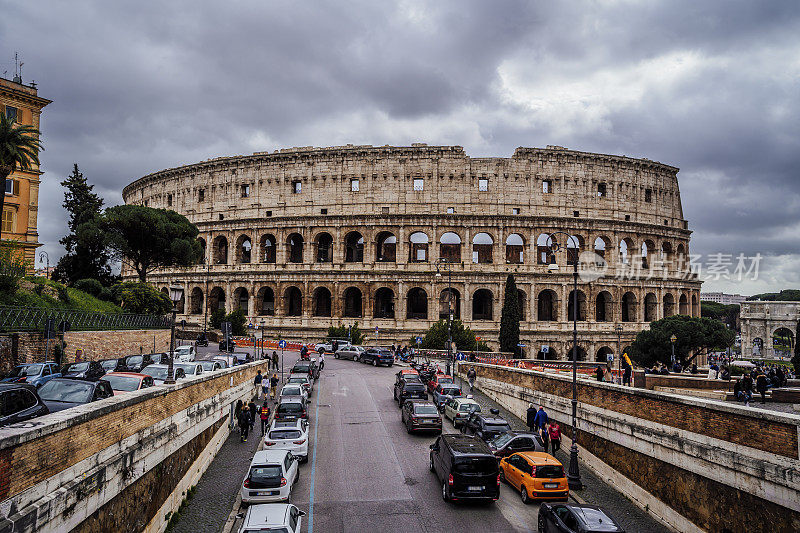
{"x":19,"y":149}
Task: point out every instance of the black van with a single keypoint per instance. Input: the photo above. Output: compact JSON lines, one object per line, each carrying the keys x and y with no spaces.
{"x":466,"y":468}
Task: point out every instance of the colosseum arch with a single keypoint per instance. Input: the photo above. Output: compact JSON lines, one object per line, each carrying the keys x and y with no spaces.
{"x":323,"y":244}
{"x":216,"y":299}
{"x":625,"y":247}
{"x":695,"y":306}
{"x":603,"y":310}
{"x":322,"y":302}
{"x":603,"y":353}
{"x":384,"y":303}
{"x":294,"y":247}
{"x":647,"y":249}
{"x":202,"y":259}
{"x":650,"y":307}
{"x":386,"y":247}
{"x":550,"y":355}
{"x":268,"y":248}
{"x":482,"y":244}
{"x":628,"y":307}
{"x":581,"y":355}
{"x":293,"y":301}
{"x":544,"y":255}
{"x":515,"y":246}
{"x":581,"y":306}
{"x":522,"y":303}
{"x":783,"y":341}
{"x":196,"y":301}
{"x":241,"y":300}
{"x":244,"y":248}
{"x":482,"y":305}
{"x":353,"y":302}
{"x":574,"y":247}
{"x":265,"y":301}
{"x":450,"y":247}
{"x":354,"y":247}
{"x":547,"y":306}
{"x":683,"y":305}
{"x":417,"y":304}
{"x":669,"y":304}
{"x":418,"y":247}
{"x":601,"y":244}
{"x":666,"y":253}
{"x":454,"y":303}
{"x":220,"y":250}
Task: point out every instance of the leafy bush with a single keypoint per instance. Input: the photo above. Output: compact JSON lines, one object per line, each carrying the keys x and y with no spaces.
{"x":141,"y":298}
{"x":89,"y":285}
{"x":341,"y":332}
{"x":12,"y":267}
{"x":436,"y":337}
{"x":105,"y":295}
{"x":237,"y":319}
{"x":217,"y":317}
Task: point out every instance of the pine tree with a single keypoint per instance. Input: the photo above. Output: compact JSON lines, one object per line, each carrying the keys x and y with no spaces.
{"x":509,"y":319}
{"x":86,"y":255}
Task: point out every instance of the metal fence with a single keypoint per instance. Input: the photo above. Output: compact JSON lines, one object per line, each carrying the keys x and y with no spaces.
{"x":35,"y":319}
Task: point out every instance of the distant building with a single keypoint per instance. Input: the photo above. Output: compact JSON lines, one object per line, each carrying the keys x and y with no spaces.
{"x":20,"y":211}
{"x":45,"y":272}
{"x":722,"y":298}
{"x":768,"y":328}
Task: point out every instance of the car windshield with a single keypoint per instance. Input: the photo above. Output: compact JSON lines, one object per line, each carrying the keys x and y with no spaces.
{"x":188,"y":369}
{"x":207,"y":365}
{"x":498,"y":428}
{"x":502,"y":440}
{"x":27,"y":370}
{"x":476,"y":465}
{"x":180,"y":350}
{"x":298,"y":380}
{"x":595,"y":519}
{"x":414,"y":387}
{"x":78,"y":367}
{"x":425,"y":410}
{"x":451,"y":391}
{"x":108,"y":365}
{"x":156,"y":372}
{"x":66,"y":391}
{"x":469,"y":408}
{"x":134,"y":360}
{"x":281,"y":434}
{"x":122,"y":383}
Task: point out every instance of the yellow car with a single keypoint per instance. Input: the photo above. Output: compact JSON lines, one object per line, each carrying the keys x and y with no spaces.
{"x":536,"y":475}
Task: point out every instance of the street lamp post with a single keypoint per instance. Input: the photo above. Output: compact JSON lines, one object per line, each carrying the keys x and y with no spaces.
{"x":175,"y":294}
{"x":444,"y":261}
{"x":205,"y":316}
{"x":573,"y":474}
{"x":672,"y":340}
{"x":618,"y":329}
{"x":44,"y":255}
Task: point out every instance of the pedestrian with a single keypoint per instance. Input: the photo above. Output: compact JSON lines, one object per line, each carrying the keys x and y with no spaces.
{"x":598,"y":372}
{"x":530,"y":417}
{"x":321,"y":361}
{"x":244,"y":423}
{"x":472,"y":375}
{"x":264,"y":415}
{"x":238,"y":410}
{"x":555,"y":437}
{"x":274,"y":361}
{"x":264,"y":388}
{"x":545,"y":437}
{"x":541,"y":418}
{"x":251,"y":408}
{"x":761,"y":386}
{"x":257,"y":383}
{"x":273,"y":383}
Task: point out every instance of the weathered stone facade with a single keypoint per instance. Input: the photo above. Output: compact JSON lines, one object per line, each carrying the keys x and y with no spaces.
{"x":306,"y":238}
{"x":768,"y":328}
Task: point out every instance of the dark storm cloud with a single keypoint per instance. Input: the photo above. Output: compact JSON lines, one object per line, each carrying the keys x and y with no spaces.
{"x":711,"y":87}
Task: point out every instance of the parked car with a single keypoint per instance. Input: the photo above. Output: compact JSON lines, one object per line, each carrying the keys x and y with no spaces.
{"x":291,"y":435}
{"x":459,"y":409}
{"x":159,"y":373}
{"x":377,"y":357}
{"x":406,"y":373}
{"x":202,"y":340}
{"x":511,"y":442}
{"x":128,"y":381}
{"x":575,"y":518}
{"x":294,"y":389}
{"x":536,"y":475}
{"x":185,"y":353}
{"x":114,"y":365}
{"x":36,"y":374}
{"x":136,"y":363}
{"x":465,"y":467}
{"x":484,"y":426}
{"x":439,"y":379}
{"x":445,"y":392}
{"x":421,"y":416}
{"x":291,"y":408}
{"x":407,"y":390}
{"x":271,"y":476}
{"x":308,"y":367}
{"x":227,"y":346}
{"x":227,"y":361}
{"x":84,"y":370}
{"x":276,"y":517}
{"x":210,"y":366}
{"x":189,"y":369}
{"x":62,"y":393}
{"x":302,"y":379}
{"x":19,"y":402}
{"x":347,"y":352}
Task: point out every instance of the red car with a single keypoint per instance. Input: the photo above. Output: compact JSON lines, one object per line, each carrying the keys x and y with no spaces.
{"x":128,"y":381}
{"x":439,"y":379}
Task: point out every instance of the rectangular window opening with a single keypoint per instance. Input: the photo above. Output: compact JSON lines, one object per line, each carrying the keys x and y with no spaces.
{"x":547,"y":186}
{"x":8,"y":220}
{"x":297,"y":187}
{"x":627,"y":217}
{"x":324,"y":211}
{"x":601,"y":190}
{"x":483,"y":184}
{"x":12,"y":113}
{"x":201,"y":195}
{"x":576,"y":214}
{"x":451,"y":210}
{"x":169,"y":200}
{"x":384,"y":210}
{"x":245,"y":191}
{"x":354,"y":185}
{"x":515,"y":210}
{"x":418,"y":184}
{"x":269,"y":213}
{"x":648,"y":195}
{"x":12,"y":186}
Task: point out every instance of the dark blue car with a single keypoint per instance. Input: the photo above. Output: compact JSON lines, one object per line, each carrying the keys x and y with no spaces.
{"x":377,"y":356}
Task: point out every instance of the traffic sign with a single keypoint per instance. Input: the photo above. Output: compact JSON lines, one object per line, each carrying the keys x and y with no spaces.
{"x":419,"y":340}
{"x":545,"y":348}
{"x":376,"y":329}
{"x":281,"y":344}
{"x":521,"y":345}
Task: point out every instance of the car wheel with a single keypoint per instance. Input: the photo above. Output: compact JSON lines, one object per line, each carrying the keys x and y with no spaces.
{"x":336,"y":356}
{"x":408,"y":429}
{"x":355,"y":358}
{"x":502,"y":476}
{"x":433,"y":469}
{"x":374,"y":362}
{"x":390,"y":365}
{"x":523,"y":493}
{"x":445,"y":492}
{"x":394,"y":394}
{"x":541,"y":524}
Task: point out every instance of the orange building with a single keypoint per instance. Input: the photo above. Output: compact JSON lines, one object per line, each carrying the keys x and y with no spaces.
{"x":20,"y":212}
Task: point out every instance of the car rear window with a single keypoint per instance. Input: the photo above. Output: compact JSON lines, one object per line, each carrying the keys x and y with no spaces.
{"x":281,"y":434}
{"x":469,"y":407}
{"x":66,"y":391}
{"x":498,"y":427}
{"x":265,"y":472}
{"x":78,"y":367}
{"x":595,"y":519}
{"x":550,"y":471}
{"x":451,"y":391}
{"x":122,"y":383}
{"x":476,"y":465}
{"x":415,"y":387}
{"x":290,"y":408}
{"x":134,"y":360}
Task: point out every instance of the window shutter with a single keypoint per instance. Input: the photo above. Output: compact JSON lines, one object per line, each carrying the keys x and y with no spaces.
{"x":16,"y":187}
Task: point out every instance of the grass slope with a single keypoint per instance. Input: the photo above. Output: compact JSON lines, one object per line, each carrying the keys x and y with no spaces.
{"x":38,"y":296}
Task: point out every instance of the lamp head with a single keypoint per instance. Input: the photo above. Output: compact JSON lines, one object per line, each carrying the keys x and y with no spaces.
{"x":175,"y":293}
{"x":673,"y":339}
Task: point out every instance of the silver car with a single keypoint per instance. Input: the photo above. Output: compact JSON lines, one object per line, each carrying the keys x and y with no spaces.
{"x":348,"y":352}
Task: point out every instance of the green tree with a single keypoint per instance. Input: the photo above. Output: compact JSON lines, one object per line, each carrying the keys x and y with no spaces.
{"x":786,"y":295}
{"x":698,"y":335}
{"x":341,"y":332}
{"x":796,"y":358}
{"x":217,"y":317}
{"x":86,"y":257}
{"x":12,"y":266}
{"x":436,"y":337}
{"x":237,"y":319}
{"x":19,"y":149}
{"x":728,"y":314}
{"x":147,"y":239}
{"x":141,"y":298}
{"x":509,"y":319}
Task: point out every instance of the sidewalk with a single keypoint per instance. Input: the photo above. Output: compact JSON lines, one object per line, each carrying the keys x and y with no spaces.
{"x":595,"y":491}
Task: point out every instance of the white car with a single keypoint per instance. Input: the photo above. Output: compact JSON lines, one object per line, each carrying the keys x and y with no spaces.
{"x":303,"y":380}
{"x":190,"y":369}
{"x":185,"y":354}
{"x":271,"y":476}
{"x":276,"y":517}
{"x":294,"y":389}
{"x":289,"y":435}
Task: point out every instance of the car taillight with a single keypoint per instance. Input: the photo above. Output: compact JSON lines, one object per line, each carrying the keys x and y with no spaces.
{"x":300,"y":441}
{"x":268,"y":443}
{"x":498,"y":479}
{"x":304,"y":414}
{"x":450,"y":480}
{"x":23,"y":379}
{"x":277,"y":416}
{"x":414,"y":419}
{"x":246,"y":483}
{"x":283,"y":482}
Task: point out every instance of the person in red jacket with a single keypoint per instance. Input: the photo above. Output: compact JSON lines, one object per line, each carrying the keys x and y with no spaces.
{"x":555,"y":437}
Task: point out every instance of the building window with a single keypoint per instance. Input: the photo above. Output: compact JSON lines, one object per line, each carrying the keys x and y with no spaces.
{"x":146,"y":202}
{"x":297,"y":187}
{"x":12,"y":113}
{"x":627,"y":218}
{"x":12,"y":187}
{"x":201,"y":195}
{"x":169,"y":200}
{"x":515,"y":210}
{"x":451,"y":210}
{"x":384,"y":210}
{"x":8,"y":220}
{"x":648,"y":195}
{"x":245,"y":191}
{"x":483,"y":184}
{"x":576,"y":214}
{"x":354,"y":185}
{"x":547,"y":186}
{"x":418,"y":184}
{"x":269,"y":213}
{"x":601,"y":190}
{"x":324,"y":211}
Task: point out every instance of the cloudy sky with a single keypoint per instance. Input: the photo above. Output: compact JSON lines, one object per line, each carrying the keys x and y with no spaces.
{"x":712,"y":87}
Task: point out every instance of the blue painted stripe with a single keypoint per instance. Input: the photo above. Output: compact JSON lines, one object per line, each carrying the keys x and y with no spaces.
{"x":314,"y":462}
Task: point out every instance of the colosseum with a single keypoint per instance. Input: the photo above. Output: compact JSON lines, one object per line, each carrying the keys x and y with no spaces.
{"x":306,"y":238}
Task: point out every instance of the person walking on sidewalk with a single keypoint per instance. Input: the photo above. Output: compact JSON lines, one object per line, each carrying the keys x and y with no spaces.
{"x":257,"y":382}
{"x":273,"y":384}
{"x":264,"y":415}
{"x":530,"y":417}
{"x":274,"y":361}
{"x":244,"y":423}
{"x":545,"y":437}
{"x":237,"y":411}
{"x":471,"y":377}
{"x":541,"y":418}
{"x":251,"y":408}
{"x":321,"y":361}
{"x":555,"y":437}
